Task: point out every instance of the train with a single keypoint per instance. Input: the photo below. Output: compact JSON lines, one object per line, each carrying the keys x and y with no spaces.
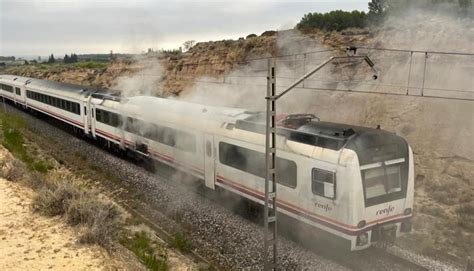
{"x":354,"y":185}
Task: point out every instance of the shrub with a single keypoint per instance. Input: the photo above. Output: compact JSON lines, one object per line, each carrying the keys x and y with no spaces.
{"x":41,"y":166}
{"x":13,"y":171}
{"x":180,"y":242}
{"x":269,"y":33}
{"x":251,"y":36}
{"x":54,"y":199}
{"x":102,"y":231}
{"x":101,"y":219}
{"x":34,"y":180}
{"x":335,"y":20}
{"x":91,"y":65}
{"x":142,"y":247}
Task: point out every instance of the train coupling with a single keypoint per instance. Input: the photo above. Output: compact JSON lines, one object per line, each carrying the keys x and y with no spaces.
{"x":385,"y":233}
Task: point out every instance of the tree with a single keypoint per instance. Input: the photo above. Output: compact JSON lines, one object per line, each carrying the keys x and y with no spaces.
{"x":377,"y":10}
{"x":188,"y":44}
{"x":51,"y":59}
{"x":67,"y":59}
{"x":335,"y":20}
{"x":74,"y":58}
{"x":377,"y":6}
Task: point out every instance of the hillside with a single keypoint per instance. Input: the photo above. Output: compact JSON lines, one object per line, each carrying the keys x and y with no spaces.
{"x":439,"y":130}
{"x":162,"y":74}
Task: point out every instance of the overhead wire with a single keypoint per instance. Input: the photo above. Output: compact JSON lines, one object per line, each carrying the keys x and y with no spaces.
{"x":278,"y":59}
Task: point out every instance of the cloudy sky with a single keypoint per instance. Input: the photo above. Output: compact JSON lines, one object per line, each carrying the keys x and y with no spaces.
{"x":41,"y":27}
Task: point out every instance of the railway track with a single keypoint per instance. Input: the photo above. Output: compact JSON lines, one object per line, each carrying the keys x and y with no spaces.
{"x":410,"y":265}
{"x":357,"y":261}
{"x":372,"y":259}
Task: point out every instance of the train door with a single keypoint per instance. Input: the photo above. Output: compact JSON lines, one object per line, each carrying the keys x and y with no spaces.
{"x":87,"y":115}
{"x":91,"y":118}
{"x":209,"y":161}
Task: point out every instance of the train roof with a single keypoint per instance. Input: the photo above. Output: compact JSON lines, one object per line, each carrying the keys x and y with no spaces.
{"x":15,"y":78}
{"x":308,"y":129}
{"x":42,"y":84}
{"x":368,"y":143}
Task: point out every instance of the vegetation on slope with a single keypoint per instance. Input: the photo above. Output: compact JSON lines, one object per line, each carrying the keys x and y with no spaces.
{"x":335,"y":20}
{"x":61,"y":193}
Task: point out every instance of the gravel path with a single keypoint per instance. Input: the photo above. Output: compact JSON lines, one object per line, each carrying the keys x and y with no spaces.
{"x":217,"y":233}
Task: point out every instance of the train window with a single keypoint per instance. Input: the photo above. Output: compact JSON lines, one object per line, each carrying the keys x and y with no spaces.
{"x":105,"y":117}
{"x":129,"y":125}
{"x":109,"y":118}
{"x":380,"y":181}
{"x":18,"y":91}
{"x":323,"y":183}
{"x":7,"y":88}
{"x":181,"y":140}
{"x":98,"y":115}
{"x":114,"y":120}
{"x":253,"y":162}
{"x":185,"y":141}
{"x":53,"y":101}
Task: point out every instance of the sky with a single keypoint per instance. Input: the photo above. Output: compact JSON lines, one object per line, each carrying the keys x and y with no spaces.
{"x":42,"y":27}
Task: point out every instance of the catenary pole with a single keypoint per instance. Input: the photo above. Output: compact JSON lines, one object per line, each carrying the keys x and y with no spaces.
{"x":270,"y":200}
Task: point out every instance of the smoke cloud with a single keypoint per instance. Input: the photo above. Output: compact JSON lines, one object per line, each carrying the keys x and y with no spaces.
{"x":147,"y":81}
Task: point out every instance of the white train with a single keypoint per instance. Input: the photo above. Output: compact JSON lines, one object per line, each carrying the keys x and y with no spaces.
{"x":352,"y":184}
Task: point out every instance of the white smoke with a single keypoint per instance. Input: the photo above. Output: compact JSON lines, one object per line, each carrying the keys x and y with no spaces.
{"x":146,"y":81}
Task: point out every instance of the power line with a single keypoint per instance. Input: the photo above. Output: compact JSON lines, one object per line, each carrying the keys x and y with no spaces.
{"x":353,"y":90}
{"x":414,"y":51}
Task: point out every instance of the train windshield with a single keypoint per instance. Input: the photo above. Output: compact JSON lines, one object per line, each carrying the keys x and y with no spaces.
{"x":381,"y":181}
{"x":384,"y":181}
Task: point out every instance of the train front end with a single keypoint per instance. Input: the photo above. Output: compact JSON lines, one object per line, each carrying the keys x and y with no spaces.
{"x":386,"y":187}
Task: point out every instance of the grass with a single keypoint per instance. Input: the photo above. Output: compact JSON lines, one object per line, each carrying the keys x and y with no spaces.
{"x":143,"y":248}
{"x":14,"y":142}
{"x":181,"y":243}
{"x":91,"y":65}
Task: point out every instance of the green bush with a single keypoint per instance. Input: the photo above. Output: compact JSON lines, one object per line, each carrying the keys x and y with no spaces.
{"x":180,"y":242}
{"x":335,"y":20}
{"x":91,"y":65}
{"x":142,"y":247}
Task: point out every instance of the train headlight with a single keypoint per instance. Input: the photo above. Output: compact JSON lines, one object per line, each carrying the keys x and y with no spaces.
{"x":407,"y":211}
{"x":361,"y":224}
{"x":363,"y":239}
